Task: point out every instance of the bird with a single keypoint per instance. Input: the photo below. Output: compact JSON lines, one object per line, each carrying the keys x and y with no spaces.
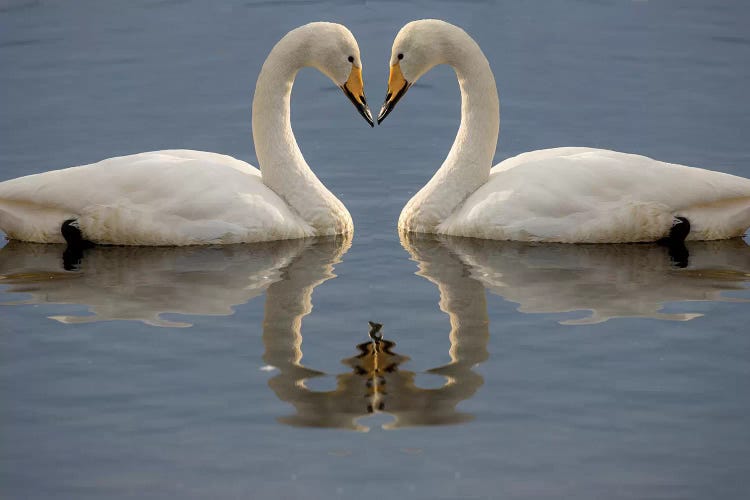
{"x":186,"y":197}
{"x":566,"y":194}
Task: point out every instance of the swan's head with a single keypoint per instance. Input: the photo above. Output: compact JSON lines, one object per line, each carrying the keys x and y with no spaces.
{"x":332,"y":49}
{"x":418,"y":47}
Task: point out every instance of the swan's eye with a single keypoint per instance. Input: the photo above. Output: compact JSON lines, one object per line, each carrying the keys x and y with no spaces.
{"x":351,"y":59}
{"x":400,"y":56}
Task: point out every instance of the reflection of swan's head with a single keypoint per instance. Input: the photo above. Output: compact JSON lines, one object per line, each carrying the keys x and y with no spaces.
{"x":418,"y":47}
{"x":332,"y":49}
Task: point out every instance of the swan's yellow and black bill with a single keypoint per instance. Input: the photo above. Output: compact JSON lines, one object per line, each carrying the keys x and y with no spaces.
{"x":354,"y":88}
{"x":397,"y":87}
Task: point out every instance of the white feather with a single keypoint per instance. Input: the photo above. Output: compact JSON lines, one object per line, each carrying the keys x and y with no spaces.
{"x":588,"y":195}
{"x":160,"y":198}
{"x":183,"y":197}
{"x":569,"y":195}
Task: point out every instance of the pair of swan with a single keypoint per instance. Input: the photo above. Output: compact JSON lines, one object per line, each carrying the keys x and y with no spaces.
{"x":182,"y":197}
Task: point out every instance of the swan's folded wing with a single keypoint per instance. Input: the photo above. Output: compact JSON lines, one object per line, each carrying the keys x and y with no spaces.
{"x":593,"y":195}
{"x":174,"y":197}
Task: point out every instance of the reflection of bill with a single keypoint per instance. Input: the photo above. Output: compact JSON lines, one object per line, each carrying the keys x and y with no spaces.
{"x":610,"y":281}
{"x":376,"y":381}
{"x":143,"y":283}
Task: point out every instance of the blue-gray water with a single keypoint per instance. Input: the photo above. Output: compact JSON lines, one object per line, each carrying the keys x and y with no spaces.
{"x":561,"y":372}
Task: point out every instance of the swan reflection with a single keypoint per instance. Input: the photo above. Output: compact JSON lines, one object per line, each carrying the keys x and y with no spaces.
{"x":143,"y":283}
{"x":610,"y":281}
{"x":376,"y":382}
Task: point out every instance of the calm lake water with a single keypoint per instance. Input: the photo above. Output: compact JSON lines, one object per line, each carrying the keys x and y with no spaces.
{"x":507,"y":370}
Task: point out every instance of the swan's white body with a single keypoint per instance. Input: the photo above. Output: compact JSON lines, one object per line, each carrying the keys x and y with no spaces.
{"x":570,"y":195}
{"x":183,"y":197}
{"x":589,"y":195}
{"x":178,"y":197}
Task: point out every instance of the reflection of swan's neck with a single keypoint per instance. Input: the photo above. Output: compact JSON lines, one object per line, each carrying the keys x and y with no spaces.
{"x":465,"y":301}
{"x":282,"y":165}
{"x":287,"y":302}
{"x":461,"y":296}
{"x":290,"y":299}
{"x":469,"y":161}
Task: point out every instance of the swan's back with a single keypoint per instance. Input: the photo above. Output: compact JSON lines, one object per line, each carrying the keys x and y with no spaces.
{"x":171,"y":197}
{"x":590,"y":195}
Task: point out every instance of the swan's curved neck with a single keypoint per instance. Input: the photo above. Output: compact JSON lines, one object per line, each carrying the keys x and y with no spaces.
{"x":281,"y":163}
{"x":468,"y":164}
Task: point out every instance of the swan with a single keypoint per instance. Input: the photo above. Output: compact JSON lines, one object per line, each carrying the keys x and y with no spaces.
{"x":568,"y":194}
{"x":183,"y":197}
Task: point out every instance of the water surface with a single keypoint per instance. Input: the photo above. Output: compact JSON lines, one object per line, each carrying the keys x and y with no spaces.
{"x":506,"y":370}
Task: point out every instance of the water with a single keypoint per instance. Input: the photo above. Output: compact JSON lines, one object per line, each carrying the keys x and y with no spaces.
{"x":585,"y":372}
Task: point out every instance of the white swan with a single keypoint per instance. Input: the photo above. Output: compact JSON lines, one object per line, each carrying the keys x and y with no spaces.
{"x":565,"y":195}
{"x":182,"y":197}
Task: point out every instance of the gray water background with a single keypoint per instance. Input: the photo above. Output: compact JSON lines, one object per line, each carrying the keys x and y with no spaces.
{"x":632,"y":407}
